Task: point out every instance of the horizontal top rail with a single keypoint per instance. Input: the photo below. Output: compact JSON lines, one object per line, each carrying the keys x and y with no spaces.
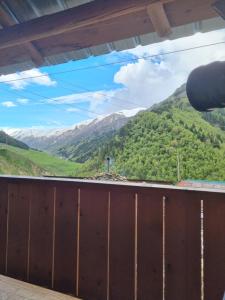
{"x":105,"y":183}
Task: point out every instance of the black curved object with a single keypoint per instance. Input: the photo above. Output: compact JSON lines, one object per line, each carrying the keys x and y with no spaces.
{"x":206,"y":87}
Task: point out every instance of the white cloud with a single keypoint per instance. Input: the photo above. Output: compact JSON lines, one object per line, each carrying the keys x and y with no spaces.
{"x":96,"y":96}
{"x":94,"y":99}
{"x":196,"y":40}
{"x":70,"y":99}
{"x":8,"y":104}
{"x":131,"y":112}
{"x":20,"y":80}
{"x":140,"y":83}
{"x":22,"y":101}
{"x":72,"y":109}
{"x":148,"y":81}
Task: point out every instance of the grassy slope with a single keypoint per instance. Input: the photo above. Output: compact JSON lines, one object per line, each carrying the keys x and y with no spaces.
{"x":6,"y":139}
{"x":18,"y":161}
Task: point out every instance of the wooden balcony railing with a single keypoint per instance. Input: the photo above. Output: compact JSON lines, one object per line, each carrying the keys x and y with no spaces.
{"x":102,"y":241}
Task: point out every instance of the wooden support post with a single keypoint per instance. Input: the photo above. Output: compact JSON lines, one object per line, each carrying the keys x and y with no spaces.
{"x":6,"y":21}
{"x":159,"y":18}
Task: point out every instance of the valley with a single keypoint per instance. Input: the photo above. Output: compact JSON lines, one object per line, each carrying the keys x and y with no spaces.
{"x":168,"y":142}
{"x":28,"y":162}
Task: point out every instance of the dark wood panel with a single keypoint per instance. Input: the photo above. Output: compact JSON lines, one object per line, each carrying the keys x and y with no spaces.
{"x":214,"y":245}
{"x":93,"y":244}
{"x":150,"y":245}
{"x":3,"y":224}
{"x":95,"y":35}
{"x":11,"y":57}
{"x":65,"y":239}
{"x":183,"y":246}
{"x":41,"y":234}
{"x":137,"y":23}
{"x":18,"y":230}
{"x":185,"y":12}
{"x":122,"y":245}
{"x":96,"y":23}
{"x":85,"y":15}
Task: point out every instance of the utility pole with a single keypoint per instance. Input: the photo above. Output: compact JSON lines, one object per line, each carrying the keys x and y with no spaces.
{"x":178,"y":167}
{"x":108,"y":163}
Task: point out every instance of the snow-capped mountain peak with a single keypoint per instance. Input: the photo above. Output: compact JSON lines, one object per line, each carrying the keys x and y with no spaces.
{"x":51,"y":139}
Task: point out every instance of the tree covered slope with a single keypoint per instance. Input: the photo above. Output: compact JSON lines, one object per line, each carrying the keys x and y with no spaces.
{"x":153,"y":144}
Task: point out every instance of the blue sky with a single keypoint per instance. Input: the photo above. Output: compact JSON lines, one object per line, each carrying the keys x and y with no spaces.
{"x":65,"y":99}
{"x":28,"y":105}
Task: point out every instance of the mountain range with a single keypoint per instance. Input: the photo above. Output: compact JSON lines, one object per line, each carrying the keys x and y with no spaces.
{"x":168,"y":142}
{"x":77,"y":142}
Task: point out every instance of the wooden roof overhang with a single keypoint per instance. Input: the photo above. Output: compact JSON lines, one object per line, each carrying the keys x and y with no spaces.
{"x":100,"y":22}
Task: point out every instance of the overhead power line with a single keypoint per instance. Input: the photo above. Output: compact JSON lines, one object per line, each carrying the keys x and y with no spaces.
{"x":99,"y":92}
{"x":72,"y":105}
{"x":146,"y":57}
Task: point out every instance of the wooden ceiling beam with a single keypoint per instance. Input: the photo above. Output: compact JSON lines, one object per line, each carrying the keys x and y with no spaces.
{"x":179,"y":12}
{"x":96,"y":14}
{"x":6,"y":21}
{"x":35,"y":54}
{"x":159,"y":18}
{"x":76,"y":18}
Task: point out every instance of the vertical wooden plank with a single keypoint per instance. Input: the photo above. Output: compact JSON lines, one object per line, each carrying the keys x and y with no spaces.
{"x":214,"y":245}
{"x":41,"y":234}
{"x":65,"y":239}
{"x":3,"y":224}
{"x":150,"y":245}
{"x":122,"y":245}
{"x":18,"y":228}
{"x":93,"y":243}
{"x":183,"y":245}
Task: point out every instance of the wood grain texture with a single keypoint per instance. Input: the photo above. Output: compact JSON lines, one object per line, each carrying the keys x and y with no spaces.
{"x":93,"y":244}
{"x":41,"y":234}
{"x":67,"y":20}
{"x":108,"y":232}
{"x":65,"y":239}
{"x":122,"y":245}
{"x":183,"y":245}
{"x":98,"y":12}
{"x":214,"y":245}
{"x":159,"y":19}
{"x":7,"y":20}
{"x":3,"y":224}
{"x":96,"y":23}
{"x":150,"y":245}
{"x":18,"y":230}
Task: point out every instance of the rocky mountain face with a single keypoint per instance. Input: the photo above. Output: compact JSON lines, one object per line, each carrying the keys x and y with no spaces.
{"x":77,"y":142}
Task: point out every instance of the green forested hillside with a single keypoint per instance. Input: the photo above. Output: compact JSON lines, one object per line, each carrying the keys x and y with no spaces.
{"x":85,"y":148}
{"x":153,"y":144}
{"x":216,"y":118}
{"x":169,"y":142}
{"x":17,"y":161}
